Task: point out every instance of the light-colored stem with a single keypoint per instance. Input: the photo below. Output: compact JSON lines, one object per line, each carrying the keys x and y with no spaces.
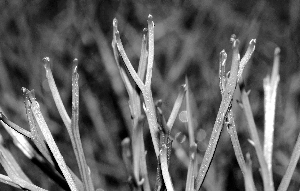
{"x":270,"y":89}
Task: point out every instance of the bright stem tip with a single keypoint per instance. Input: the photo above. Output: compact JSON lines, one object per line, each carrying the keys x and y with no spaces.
{"x":115,"y":23}
{"x":145,"y":31}
{"x":46,"y":61}
{"x":246,"y":57}
{"x":150,"y":19}
{"x":223,"y":58}
{"x":75,"y":65}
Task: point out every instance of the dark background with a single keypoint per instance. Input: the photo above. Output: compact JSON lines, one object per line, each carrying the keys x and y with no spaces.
{"x":188,"y":38}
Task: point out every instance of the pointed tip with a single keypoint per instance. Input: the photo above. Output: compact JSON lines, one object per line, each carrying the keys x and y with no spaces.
{"x":236,"y":44}
{"x":277,"y":51}
{"x":46,"y":61}
{"x":145,"y":33}
{"x":223,"y":57}
{"x":252,"y":41}
{"x":252,"y":44}
{"x":23,"y":89}
{"x":248,"y":92}
{"x":75,"y":65}
{"x":184,"y":87}
{"x":150,"y":20}
{"x":125,"y":141}
{"x":251,"y":142}
{"x":232,"y":38}
{"x":115,"y":23}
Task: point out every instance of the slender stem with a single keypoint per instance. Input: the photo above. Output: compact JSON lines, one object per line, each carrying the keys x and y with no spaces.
{"x":83,"y":167}
{"x":6,"y":180}
{"x":257,"y":145}
{"x":231,"y":128}
{"x":151,"y":51}
{"x":164,"y":168}
{"x":189,"y":114}
{"x":283,"y":186}
{"x":10,"y":164}
{"x":235,"y":141}
{"x":57,"y":99}
{"x":52,"y":145}
{"x":270,"y":89}
{"x":127,"y":62}
{"x":190,"y":179}
{"x":226,"y":101}
{"x":36,"y":134}
{"x":176,"y":107}
{"x":246,"y":57}
{"x":122,"y":71}
{"x":249,"y":182}
{"x":14,"y":126}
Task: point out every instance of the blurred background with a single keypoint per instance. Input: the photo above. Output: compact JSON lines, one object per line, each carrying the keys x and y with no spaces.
{"x":189,"y":36}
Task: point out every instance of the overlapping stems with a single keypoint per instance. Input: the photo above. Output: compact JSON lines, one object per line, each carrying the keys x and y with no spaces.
{"x":41,"y":135}
{"x":71,"y":124}
{"x":235,"y":74}
{"x":265,"y":155}
{"x":145,"y":87}
{"x":39,"y":132}
{"x":160,"y":132}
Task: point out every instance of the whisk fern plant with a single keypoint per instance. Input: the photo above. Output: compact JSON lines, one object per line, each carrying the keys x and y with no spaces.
{"x":39,"y":145}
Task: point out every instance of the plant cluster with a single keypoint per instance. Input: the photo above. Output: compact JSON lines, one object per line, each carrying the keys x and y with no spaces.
{"x":40,"y":147}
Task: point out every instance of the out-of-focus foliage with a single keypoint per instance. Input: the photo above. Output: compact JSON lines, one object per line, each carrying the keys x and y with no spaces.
{"x":188,"y":38}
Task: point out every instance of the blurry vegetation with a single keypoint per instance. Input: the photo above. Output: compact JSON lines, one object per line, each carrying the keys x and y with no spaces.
{"x":188,"y":38}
